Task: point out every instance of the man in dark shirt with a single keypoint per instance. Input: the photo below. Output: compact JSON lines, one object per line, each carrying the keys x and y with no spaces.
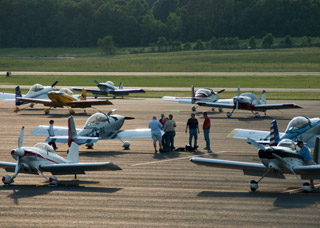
{"x":193,"y":126}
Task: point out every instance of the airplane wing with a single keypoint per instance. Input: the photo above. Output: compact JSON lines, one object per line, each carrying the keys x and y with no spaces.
{"x":181,"y":100}
{"x":88,"y":103}
{"x":133,"y":134}
{"x":126,"y":91}
{"x":308,"y":171}
{"x":58,"y":131}
{"x":262,"y":137}
{"x":216,"y":104}
{"x":78,"y":168}
{"x":79,"y":139}
{"x":45,"y":102}
{"x":8,"y":166}
{"x":8,"y":97}
{"x":275,"y":106}
{"x":248,"y":168}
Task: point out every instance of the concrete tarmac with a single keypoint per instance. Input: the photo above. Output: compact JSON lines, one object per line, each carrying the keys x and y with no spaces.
{"x":154,"y":190}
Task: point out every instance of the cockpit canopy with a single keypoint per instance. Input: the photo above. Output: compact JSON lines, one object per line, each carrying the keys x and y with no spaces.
{"x":36,"y":88}
{"x":251,"y":95}
{"x":297,"y":123}
{"x":110,"y":83}
{"x":44,"y":146}
{"x":66,"y":90}
{"x":204,"y":92}
{"x":96,"y":119}
{"x":287,"y":143}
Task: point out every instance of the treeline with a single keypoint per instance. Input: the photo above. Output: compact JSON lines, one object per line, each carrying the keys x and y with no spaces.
{"x":81,"y":23}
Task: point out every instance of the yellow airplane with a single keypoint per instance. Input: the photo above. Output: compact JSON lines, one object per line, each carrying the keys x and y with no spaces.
{"x":64,"y":97}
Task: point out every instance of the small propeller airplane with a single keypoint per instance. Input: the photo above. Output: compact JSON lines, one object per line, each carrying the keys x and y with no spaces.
{"x":108,"y":88}
{"x":98,"y":126}
{"x":276,"y":161}
{"x":201,"y":95}
{"x":37,"y":91}
{"x":300,"y":128}
{"x":249,"y":101}
{"x":64,"y":97}
{"x":42,"y":158}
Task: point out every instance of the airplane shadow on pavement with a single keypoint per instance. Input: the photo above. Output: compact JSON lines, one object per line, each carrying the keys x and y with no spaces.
{"x":29,"y":191}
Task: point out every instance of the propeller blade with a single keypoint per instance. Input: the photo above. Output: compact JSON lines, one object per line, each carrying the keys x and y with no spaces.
{"x":53,"y":85}
{"x":96,"y":82}
{"x":237,"y":105}
{"x":20,"y":141}
{"x":221,"y":91}
{"x":238,"y":94}
{"x":238,"y":91}
{"x":256,"y":144}
{"x":129,"y":118}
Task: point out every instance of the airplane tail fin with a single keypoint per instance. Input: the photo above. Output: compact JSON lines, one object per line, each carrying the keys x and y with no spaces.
{"x":73,"y":154}
{"x":192,"y":95}
{"x":264,"y":97}
{"x":316,"y":155}
{"x":72,"y":132}
{"x":274,"y":133}
{"x":83,"y":95}
{"x":121,"y":85}
{"x":18,"y":94}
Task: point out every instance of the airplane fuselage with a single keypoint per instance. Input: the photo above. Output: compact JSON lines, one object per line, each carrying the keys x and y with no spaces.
{"x":105,"y":87}
{"x":60,"y":97}
{"x":206,"y":95}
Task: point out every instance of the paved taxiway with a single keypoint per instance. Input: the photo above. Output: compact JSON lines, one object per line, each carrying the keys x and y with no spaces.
{"x":154,"y":190}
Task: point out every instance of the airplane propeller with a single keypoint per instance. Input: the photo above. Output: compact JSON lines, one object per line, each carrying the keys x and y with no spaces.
{"x":53,"y":85}
{"x":19,"y":152}
{"x":221,"y":91}
{"x":95,"y":81}
{"x":256,"y":144}
{"x":238,"y":94}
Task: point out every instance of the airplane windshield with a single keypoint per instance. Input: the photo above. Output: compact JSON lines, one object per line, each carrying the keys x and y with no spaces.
{"x":251,"y":95}
{"x":36,"y":88}
{"x":297,"y":123}
{"x":287,"y":143}
{"x":44,"y":146}
{"x":66,"y":90}
{"x":205,"y":92}
{"x":110,"y":83}
{"x":96,"y":119}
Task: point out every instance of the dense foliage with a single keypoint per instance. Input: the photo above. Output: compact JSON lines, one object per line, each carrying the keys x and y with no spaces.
{"x":80,"y":23}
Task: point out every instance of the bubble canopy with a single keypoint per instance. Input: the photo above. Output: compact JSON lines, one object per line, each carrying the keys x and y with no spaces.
{"x":96,"y":119}
{"x":297,"y":123}
{"x":36,"y":88}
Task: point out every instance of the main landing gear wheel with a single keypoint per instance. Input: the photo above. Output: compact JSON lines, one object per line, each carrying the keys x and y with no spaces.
{"x":53,"y":181}
{"x":257,"y":115}
{"x":212,"y":109}
{"x":306,"y":187}
{"x":46,"y":111}
{"x":89,"y":145}
{"x":253,"y":185}
{"x":71,"y":111}
{"x":229,"y":114}
{"x":194,"y":108}
{"x":126,"y":145}
{"x":6,"y":179}
{"x":220,"y":110}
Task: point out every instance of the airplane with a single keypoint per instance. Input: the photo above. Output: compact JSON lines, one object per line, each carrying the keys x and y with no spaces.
{"x":249,"y":101}
{"x":109,"y":88}
{"x":42,"y":158}
{"x":201,"y":95}
{"x":98,"y":126}
{"x":300,"y":128}
{"x":37,"y":91}
{"x":64,"y":97}
{"x":276,"y":161}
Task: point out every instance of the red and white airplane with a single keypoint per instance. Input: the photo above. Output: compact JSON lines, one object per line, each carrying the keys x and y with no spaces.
{"x":201,"y":95}
{"x":42,"y":158}
{"x":248,"y":101}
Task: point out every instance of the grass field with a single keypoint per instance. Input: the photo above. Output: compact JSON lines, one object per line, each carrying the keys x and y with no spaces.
{"x":90,"y":60}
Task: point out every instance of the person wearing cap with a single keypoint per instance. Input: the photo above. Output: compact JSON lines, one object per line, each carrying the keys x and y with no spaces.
{"x":156,"y":127}
{"x":206,"y":130}
{"x":306,"y":155}
{"x":193,"y":126}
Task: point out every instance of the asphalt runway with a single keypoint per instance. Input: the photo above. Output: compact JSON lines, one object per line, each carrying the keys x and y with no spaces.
{"x":154,"y":190}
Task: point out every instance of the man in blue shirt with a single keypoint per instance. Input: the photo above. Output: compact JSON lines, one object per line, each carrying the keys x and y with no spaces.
{"x":155,"y":127}
{"x":307,"y":159}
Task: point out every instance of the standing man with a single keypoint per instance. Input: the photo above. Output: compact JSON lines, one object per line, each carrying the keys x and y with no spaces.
{"x":305,"y":153}
{"x":156,"y":127}
{"x":193,"y":130}
{"x":51,"y":134}
{"x":169,"y":133}
{"x":206,"y":130}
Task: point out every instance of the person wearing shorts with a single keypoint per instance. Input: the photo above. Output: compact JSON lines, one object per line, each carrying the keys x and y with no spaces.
{"x":156,"y":135}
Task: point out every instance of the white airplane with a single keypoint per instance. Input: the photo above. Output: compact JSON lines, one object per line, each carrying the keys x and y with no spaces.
{"x":98,"y":126}
{"x":249,"y":101}
{"x":109,"y":88}
{"x":300,"y":128}
{"x":276,"y":161}
{"x":42,"y":158}
{"x":201,"y":95}
{"x":37,"y":91}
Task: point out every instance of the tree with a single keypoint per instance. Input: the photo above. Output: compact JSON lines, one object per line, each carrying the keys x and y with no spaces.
{"x":162,"y":44}
{"x":187,"y":46}
{"x":252,"y":42}
{"x":306,"y":41}
{"x":199,"y":45}
{"x":267,"y":41}
{"x":106,"y":45}
{"x":286,"y":42}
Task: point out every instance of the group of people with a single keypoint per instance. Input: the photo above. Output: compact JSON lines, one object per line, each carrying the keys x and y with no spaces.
{"x":167,"y":124}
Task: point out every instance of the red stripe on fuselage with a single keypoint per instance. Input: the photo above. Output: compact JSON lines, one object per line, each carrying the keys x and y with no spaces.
{"x":29,"y":154}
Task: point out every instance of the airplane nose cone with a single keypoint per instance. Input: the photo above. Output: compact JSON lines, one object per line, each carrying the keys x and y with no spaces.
{"x":18,"y":152}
